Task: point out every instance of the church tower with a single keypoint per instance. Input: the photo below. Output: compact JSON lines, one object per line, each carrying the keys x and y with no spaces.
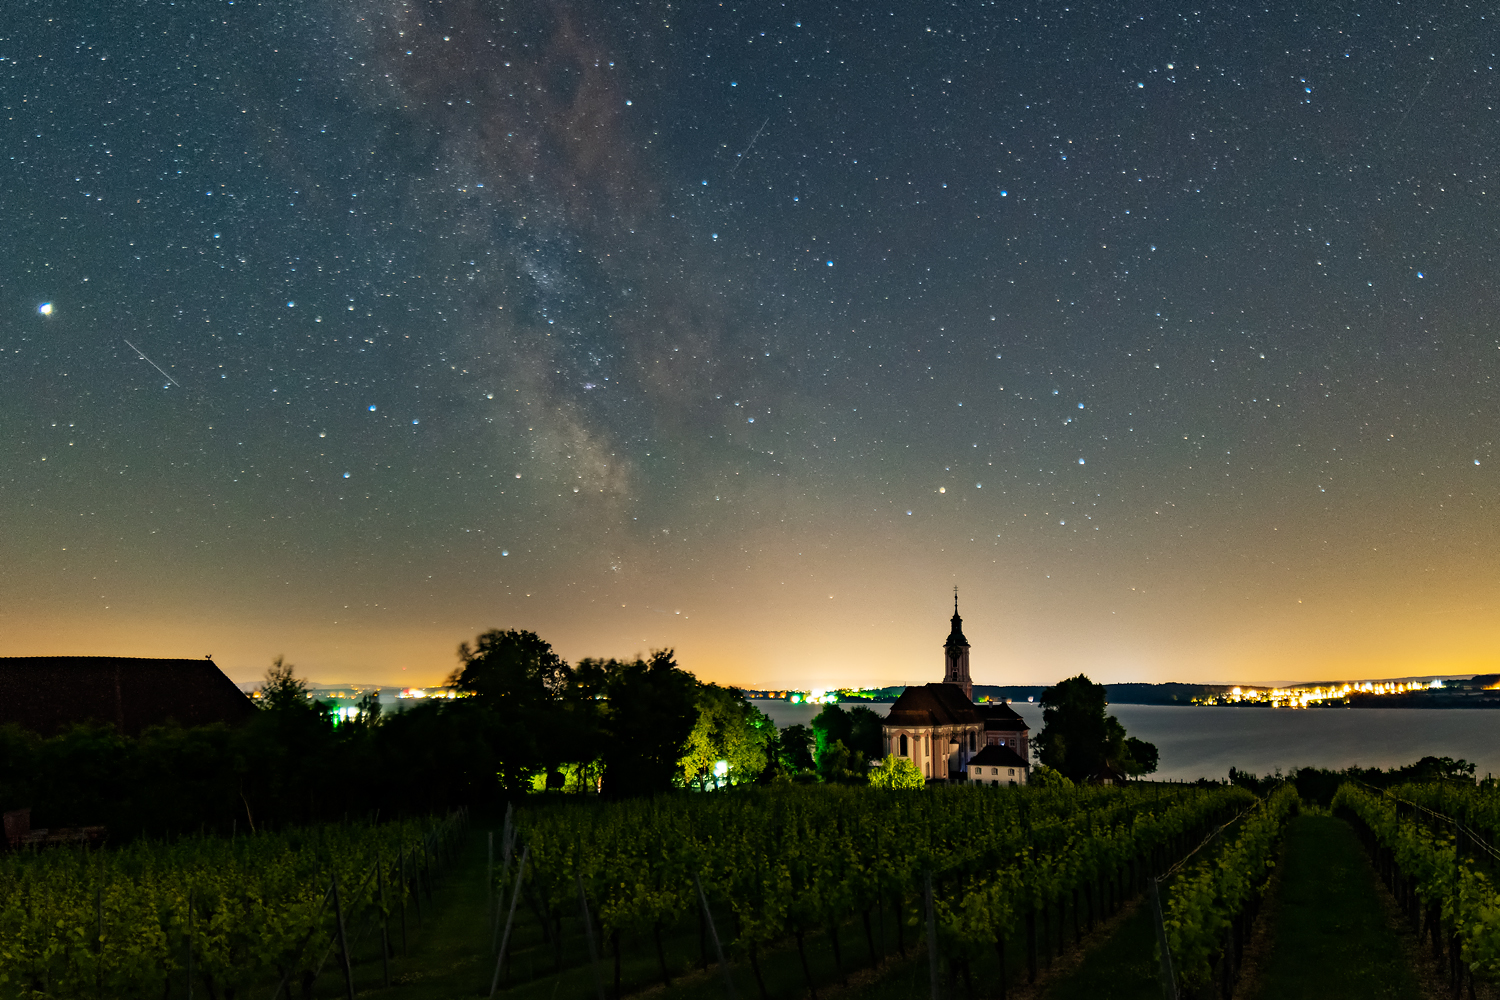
{"x":956,"y":654}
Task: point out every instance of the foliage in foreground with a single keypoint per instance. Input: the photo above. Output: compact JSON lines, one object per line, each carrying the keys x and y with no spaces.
{"x":1424,"y":850}
{"x":121,"y":923}
{"x":788,"y":860}
{"x":1211,"y":894}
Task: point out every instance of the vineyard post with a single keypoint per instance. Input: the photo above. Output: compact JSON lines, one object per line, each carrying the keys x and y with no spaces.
{"x":338,"y":912}
{"x":495,"y":921}
{"x":714,"y":933}
{"x":588,"y":931}
{"x":1168,"y":981}
{"x":932,"y":951}
{"x":99,"y":914}
{"x":1031,"y":943}
{"x":416,"y":874}
{"x":510,"y":918}
{"x":401,"y":897}
{"x":385,"y":922}
{"x":188,"y":940}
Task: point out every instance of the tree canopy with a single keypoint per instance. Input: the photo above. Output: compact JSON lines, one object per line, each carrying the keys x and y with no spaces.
{"x":729,"y":730}
{"x":1079,"y":739}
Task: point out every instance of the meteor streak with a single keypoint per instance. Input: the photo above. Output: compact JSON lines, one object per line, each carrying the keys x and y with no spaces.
{"x":741,"y":158}
{"x":153,"y":364}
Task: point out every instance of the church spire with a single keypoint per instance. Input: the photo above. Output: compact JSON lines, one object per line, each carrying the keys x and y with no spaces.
{"x":956,"y":654}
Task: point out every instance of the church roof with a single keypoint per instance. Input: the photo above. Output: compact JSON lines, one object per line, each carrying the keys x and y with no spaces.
{"x":997,"y":756}
{"x":47,"y":694}
{"x":1000,"y":717}
{"x":933,"y":705}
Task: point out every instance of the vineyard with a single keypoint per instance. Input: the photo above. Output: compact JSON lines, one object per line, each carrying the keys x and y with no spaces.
{"x":592,"y":898}
{"x":835,"y":879}
{"x":149,"y":919}
{"x":1433,"y":846}
{"x":762,"y":892}
{"x":1214,"y":901}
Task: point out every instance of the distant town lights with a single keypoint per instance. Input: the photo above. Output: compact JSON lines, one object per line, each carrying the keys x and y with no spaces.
{"x":1303,"y":697}
{"x":427,"y":693}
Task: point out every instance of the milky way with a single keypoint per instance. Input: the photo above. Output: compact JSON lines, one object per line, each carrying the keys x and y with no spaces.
{"x":1167,"y":335}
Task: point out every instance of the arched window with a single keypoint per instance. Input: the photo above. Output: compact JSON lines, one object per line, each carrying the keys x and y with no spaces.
{"x":972,"y":741}
{"x":904,"y":752}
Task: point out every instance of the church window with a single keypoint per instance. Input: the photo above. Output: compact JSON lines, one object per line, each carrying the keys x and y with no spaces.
{"x":972,"y":746}
{"x":903,"y":746}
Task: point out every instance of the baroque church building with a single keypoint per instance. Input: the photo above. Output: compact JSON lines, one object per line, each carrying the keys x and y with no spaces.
{"x":948,"y":737}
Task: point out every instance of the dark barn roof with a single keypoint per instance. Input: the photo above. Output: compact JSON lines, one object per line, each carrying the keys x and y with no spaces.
{"x":47,"y":694}
{"x":932,"y":705}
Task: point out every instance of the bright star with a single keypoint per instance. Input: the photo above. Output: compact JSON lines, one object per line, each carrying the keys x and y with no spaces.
{"x":45,"y":309}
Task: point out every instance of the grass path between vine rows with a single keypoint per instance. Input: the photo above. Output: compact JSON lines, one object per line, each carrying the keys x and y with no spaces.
{"x":1329,"y":933}
{"x":1325,"y":934}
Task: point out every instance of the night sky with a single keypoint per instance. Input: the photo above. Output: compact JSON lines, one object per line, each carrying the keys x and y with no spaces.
{"x":1167,"y":333}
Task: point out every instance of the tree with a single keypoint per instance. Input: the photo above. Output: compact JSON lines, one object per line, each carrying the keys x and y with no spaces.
{"x":1077,"y":738}
{"x":510,"y":667}
{"x":521,"y":685}
{"x":831,"y":725}
{"x":896,"y":772}
{"x":283,"y":689}
{"x":866,"y":733}
{"x":1140,"y":757}
{"x":729,"y":730}
{"x":1438,"y":769}
{"x":1043,"y":776}
{"x":796,"y":749}
{"x":652,"y":710}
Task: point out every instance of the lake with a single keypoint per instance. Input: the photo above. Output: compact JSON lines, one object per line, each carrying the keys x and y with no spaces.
{"x":1203,"y":742}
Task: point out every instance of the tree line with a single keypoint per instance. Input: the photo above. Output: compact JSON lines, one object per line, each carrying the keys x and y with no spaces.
{"x":524,"y":719}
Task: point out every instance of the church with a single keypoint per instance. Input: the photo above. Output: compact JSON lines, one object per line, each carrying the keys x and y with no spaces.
{"x":948,"y":737}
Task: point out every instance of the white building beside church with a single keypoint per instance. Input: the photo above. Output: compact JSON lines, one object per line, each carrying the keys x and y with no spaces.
{"x":948,"y":737}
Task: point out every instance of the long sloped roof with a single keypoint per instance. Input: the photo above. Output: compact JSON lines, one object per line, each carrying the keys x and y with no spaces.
{"x":933,"y":705}
{"x":47,"y":694}
{"x":997,"y":756}
{"x":998,"y":716}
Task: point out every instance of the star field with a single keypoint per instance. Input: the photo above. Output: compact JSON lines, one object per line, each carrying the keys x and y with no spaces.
{"x":348,"y":331}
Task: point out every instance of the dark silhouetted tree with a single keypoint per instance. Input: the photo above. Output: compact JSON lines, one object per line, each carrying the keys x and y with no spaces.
{"x":1078,"y":738}
{"x":795,"y":750}
{"x":652,"y":709}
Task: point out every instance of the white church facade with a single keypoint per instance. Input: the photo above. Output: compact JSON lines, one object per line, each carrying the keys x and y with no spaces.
{"x":940,"y":729}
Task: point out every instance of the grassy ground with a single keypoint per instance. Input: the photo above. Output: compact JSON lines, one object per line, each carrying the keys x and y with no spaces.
{"x":1122,"y":968}
{"x":1329,"y":934}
